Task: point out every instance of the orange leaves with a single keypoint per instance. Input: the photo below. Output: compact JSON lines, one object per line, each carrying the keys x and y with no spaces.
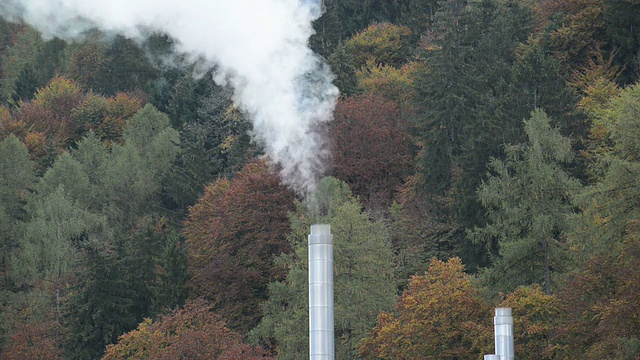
{"x":61,"y":112}
{"x":439,"y":316}
{"x":118,"y":110}
{"x":190,"y":333}
{"x":35,"y":341}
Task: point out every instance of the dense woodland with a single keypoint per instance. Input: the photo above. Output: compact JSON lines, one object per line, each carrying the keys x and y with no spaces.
{"x":485,"y":153}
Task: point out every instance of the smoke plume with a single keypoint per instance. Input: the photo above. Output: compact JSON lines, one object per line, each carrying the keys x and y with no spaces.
{"x":260,"y":48}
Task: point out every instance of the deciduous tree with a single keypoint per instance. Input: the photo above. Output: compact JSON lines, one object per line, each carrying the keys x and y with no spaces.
{"x":233,"y":234}
{"x":193,"y":332}
{"x":536,"y":320}
{"x":439,"y":316}
{"x":372,"y":148}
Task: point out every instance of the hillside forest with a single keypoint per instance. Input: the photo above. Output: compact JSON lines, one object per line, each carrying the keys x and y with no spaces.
{"x":485,"y":153}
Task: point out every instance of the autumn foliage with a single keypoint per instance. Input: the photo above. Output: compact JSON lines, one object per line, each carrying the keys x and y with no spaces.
{"x":193,"y":332}
{"x":233,"y":234}
{"x":536,"y":317}
{"x":372,"y":147}
{"x":35,"y":341}
{"x":602,"y":303}
{"x":439,"y":316}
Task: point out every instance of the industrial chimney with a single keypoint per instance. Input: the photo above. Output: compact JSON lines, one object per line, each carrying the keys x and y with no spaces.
{"x":503,"y":328}
{"x":321,"y":329}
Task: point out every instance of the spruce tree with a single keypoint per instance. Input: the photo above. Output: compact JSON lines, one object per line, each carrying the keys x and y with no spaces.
{"x":529,"y":200}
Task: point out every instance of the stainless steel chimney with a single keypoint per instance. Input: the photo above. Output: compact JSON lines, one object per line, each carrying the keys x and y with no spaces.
{"x":321,"y":324}
{"x":503,"y":327}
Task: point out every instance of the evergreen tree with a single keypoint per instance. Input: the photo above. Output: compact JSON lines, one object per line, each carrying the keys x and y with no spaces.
{"x":328,"y":30}
{"x":214,"y":140}
{"x":622,"y":18}
{"x":26,"y":85}
{"x":530,"y":203}
{"x":363,"y":276}
{"x":99,"y":308}
{"x":68,"y":173}
{"x":21,"y":52}
{"x":128,"y":67}
{"x":172,"y":273}
{"x":16,"y":181}
{"x":464,"y":107}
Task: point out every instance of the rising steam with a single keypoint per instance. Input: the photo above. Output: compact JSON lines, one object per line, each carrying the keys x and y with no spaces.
{"x":260,"y":49}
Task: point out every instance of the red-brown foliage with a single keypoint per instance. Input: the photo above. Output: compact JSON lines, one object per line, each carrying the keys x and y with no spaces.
{"x":602,"y":303}
{"x":372,"y":148}
{"x":233,"y":234}
{"x":35,"y":341}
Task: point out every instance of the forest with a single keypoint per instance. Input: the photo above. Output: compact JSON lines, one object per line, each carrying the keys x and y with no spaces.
{"x":484,"y":153}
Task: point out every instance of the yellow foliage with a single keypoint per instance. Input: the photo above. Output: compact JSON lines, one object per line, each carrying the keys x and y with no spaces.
{"x":59,"y":87}
{"x":388,"y":81}
{"x":383,"y":43}
{"x":439,"y":316}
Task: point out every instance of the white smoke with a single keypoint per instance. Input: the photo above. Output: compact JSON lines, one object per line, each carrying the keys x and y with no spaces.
{"x":260,"y":48}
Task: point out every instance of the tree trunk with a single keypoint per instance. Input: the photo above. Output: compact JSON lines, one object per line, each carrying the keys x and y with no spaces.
{"x":547,"y":270}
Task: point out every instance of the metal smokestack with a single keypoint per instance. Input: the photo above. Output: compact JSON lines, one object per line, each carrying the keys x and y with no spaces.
{"x":503,"y":327}
{"x":321,"y":329}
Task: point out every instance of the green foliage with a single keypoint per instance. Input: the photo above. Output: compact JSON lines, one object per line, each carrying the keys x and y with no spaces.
{"x":91,"y":153}
{"x":49,"y":250}
{"x":172,"y":273}
{"x":68,"y":173}
{"x":609,"y":204}
{"x":530,"y":204}
{"x":355,"y":15}
{"x":20,"y":53}
{"x":328,"y":30}
{"x":621,"y":19}
{"x":16,"y":181}
{"x":363,"y":276}
{"x":17,"y":176}
{"x":128,"y":67}
{"x":214,"y":141}
{"x":88,"y":65}
{"x":99,"y":307}
{"x":130,"y":178}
